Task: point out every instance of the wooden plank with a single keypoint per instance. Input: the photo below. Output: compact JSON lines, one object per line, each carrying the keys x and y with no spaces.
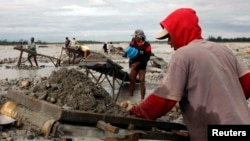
{"x":89,"y":118}
{"x":38,"y":54}
{"x":29,"y":51}
{"x":107,"y":127}
{"x":35,"y":104}
{"x":20,"y":58}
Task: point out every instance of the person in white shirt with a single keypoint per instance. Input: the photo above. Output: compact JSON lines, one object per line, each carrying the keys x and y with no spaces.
{"x":32,"y":46}
{"x":74,"y":44}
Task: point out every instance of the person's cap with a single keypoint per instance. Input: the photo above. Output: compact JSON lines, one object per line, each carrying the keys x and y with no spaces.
{"x":139,"y":33}
{"x":162,"y":35}
{"x":131,"y":52}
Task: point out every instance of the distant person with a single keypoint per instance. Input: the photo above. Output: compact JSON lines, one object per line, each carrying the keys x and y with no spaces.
{"x":105,"y":48}
{"x":206,"y":78}
{"x":138,"y":61}
{"x":67,"y":46}
{"x":67,"y":42}
{"x":32,"y":47}
{"x":74,"y":44}
{"x":111,"y":48}
{"x":21,"y":43}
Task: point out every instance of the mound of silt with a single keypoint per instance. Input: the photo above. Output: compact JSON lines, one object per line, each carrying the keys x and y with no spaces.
{"x":72,"y":89}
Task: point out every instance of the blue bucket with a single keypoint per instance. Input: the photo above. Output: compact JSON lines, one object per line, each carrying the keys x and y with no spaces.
{"x":131,"y":52}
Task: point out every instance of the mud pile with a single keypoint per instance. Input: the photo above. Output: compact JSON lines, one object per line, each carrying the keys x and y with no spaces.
{"x":72,"y":89}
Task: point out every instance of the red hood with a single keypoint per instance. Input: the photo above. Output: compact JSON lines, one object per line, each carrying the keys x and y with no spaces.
{"x":182,"y":26}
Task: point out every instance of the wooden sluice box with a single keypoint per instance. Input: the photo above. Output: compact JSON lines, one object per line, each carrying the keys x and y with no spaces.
{"x":55,"y":61}
{"x":53,"y":119}
{"x":108,"y":70}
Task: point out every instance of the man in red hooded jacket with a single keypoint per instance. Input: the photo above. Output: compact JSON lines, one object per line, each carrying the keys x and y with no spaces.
{"x":207,"y":80}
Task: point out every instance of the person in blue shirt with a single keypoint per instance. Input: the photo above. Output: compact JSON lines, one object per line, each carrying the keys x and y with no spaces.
{"x":138,"y":63}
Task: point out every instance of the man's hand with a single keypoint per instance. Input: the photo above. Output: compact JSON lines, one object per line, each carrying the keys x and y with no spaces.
{"x":152,"y":107}
{"x":127,"y":105}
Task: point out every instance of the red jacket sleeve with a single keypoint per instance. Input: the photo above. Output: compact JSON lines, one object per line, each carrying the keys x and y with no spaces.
{"x":152,"y":107}
{"x":245,"y":84}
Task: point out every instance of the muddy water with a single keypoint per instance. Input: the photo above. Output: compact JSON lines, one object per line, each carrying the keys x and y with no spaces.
{"x":12,"y":73}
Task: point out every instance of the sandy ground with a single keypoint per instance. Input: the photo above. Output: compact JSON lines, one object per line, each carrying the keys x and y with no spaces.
{"x":9,"y":56}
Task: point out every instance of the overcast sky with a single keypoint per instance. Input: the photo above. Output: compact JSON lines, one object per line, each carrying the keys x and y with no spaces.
{"x":115,"y":20}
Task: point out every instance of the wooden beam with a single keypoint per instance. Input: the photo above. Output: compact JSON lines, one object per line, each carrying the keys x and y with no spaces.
{"x":38,"y":54}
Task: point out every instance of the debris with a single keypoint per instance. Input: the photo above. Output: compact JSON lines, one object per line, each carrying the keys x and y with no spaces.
{"x":6,"y":119}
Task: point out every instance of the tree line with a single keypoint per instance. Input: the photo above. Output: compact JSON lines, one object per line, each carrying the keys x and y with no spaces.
{"x":220,"y":39}
{"x":210,"y":38}
{"x":6,"y":42}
